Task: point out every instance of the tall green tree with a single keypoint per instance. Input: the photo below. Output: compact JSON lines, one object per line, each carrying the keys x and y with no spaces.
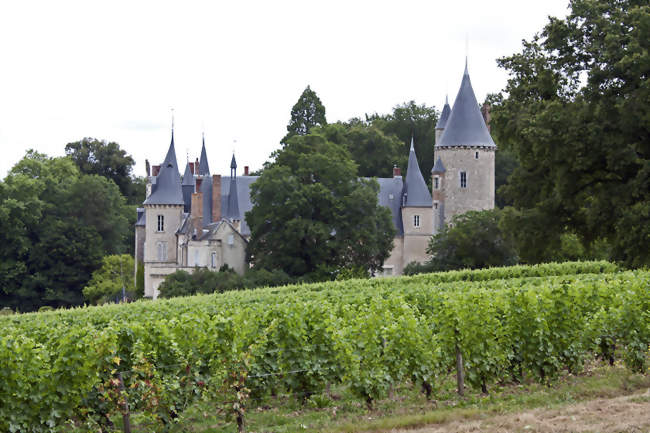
{"x":577,"y":117}
{"x":374,"y":152}
{"x":107,"y":159}
{"x":307,"y":113}
{"x":410,"y":119}
{"x":313,"y":216}
{"x":56,"y":224}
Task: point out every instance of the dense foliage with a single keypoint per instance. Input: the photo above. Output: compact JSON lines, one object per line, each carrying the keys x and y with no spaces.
{"x":313,"y":216}
{"x":56,"y":224}
{"x":106,"y":159}
{"x":307,"y":113}
{"x":203,"y":280}
{"x":575,"y":114}
{"x":107,"y":282}
{"x":370,"y":334}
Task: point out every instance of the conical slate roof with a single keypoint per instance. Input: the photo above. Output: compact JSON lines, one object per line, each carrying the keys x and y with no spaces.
{"x":438,"y":167}
{"x":204,"y":168}
{"x":167,"y":189}
{"x":232,"y":209}
{"x":188,"y":177}
{"x":465,"y":126}
{"x":444,"y":116}
{"x":415,"y":188}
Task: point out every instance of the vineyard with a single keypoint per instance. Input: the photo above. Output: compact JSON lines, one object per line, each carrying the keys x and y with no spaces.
{"x":90,"y":366}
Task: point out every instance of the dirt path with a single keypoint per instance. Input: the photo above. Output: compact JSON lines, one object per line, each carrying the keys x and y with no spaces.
{"x":629,"y":414}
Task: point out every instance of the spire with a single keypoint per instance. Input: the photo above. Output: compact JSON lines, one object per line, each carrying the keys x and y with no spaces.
{"x":465,"y":125}
{"x":204,"y":168}
{"x":188,"y":177}
{"x":167,"y":189}
{"x":415,"y":189}
{"x":233,"y":162}
{"x":444,"y":116}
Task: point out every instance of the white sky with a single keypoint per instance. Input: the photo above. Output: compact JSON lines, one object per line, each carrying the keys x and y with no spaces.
{"x":114,"y":69}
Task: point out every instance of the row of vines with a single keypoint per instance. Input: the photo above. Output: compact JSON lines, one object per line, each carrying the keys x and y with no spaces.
{"x":88,"y":366}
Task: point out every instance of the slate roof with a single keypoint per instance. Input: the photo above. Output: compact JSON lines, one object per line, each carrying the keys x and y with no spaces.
{"x":206,"y":189}
{"x":188,"y":185}
{"x":465,"y":126}
{"x":188,"y":177}
{"x":438,"y":167}
{"x":244,"y":203}
{"x":415,"y":188}
{"x":444,"y":116}
{"x":390,"y":195}
{"x":142,"y":219}
{"x":204,"y":168}
{"x":167,"y":189}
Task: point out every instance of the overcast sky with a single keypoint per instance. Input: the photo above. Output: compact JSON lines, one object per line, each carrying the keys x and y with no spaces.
{"x":114,"y":69}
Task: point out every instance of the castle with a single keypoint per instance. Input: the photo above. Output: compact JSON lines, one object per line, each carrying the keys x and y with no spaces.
{"x":199,"y":219}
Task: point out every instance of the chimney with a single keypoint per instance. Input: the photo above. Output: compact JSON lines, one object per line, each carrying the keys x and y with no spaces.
{"x":196,"y":212}
{"x":192,"y":167}
{"x":245,"y":170}
{"x":155,"y":170}
{"x":199,"y":181}
{"x":216,"y":197}
{"x":196,"y":166}
{"x":397,"y":172}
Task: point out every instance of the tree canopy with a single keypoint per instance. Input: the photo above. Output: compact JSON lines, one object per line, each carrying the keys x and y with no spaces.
{"x":312,"y":215}
{"x":55,"y":226}
{"x":107,"y":159}
{"x":575,"y":113}
{"x":307,"y":113}
{"x":107,"y":282}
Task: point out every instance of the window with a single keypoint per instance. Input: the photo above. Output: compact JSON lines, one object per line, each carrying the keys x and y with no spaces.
{"x":436,"y":182}
{"x":463,"y":179}
{"x":388,"y":271}
{"x":416,"y":220}
{"x":161,"y":248}
{"x":476,"y":155}
{"x":213,"y":260}
{"x":435,"y":205}
{"x":231,"y":239}
{"x":197,"y":258}
{"x":161,"y":223}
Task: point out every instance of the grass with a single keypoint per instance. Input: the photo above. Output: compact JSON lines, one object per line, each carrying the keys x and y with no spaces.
{"x":407,"y":407}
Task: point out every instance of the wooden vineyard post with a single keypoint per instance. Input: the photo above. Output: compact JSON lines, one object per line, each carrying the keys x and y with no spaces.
{"x":460,"y":373}
{"x":125,"y":410}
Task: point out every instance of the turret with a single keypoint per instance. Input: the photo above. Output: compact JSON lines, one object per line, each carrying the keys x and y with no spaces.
{"x":465,"y":150}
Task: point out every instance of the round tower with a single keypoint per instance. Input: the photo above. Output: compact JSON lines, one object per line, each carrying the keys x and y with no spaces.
{"x":466,"y":151}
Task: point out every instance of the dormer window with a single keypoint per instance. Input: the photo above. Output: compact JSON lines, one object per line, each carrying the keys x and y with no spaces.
{"x":416,"y":220}
{"x":161,"y":223}
{"x":463,"y":179}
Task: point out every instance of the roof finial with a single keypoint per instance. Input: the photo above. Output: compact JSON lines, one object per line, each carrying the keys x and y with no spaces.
{"x":172,"y":120}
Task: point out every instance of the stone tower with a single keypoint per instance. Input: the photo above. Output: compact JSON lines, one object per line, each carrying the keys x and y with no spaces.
{"x":163,"y":211}
{"x":417,"y":215}
{"x":463,"y":175}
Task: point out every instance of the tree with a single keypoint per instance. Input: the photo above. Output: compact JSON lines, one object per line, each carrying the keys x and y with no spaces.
{"x":472,"y":240}
{"x":577,"y":117}
{"x":411,"y":120}
{"x":313,"y":216}
{"x":307,"y":113}
{"x":107,"y":282}
{"x":106,"y":159}
{"x":56,"y":224}
{"x":374,"y":152}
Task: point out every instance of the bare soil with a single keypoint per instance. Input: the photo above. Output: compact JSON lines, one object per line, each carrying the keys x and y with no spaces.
{"x":628,"y":414}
